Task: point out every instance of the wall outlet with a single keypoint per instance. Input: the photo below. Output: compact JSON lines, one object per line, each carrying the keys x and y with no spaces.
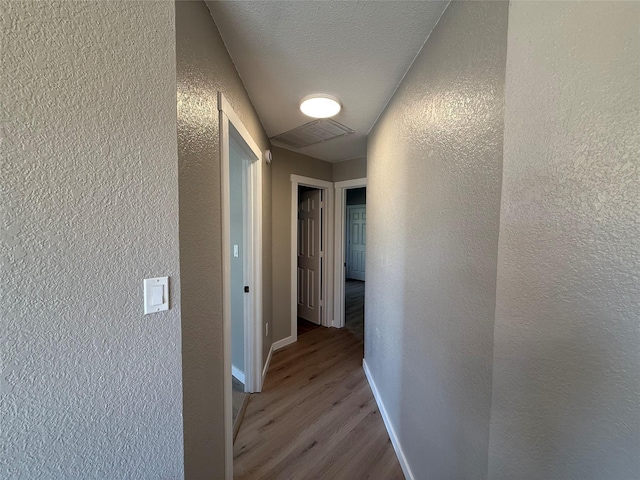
{"x":266,"y":328}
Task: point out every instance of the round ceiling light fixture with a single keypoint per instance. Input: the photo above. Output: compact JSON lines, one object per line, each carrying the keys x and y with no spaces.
{"x":320,"y":105}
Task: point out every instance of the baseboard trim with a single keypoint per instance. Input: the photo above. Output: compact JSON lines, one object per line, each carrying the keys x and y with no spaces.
{"x":266,"y":364}
{"x":387,"y":423}
{"x":283,"y":343}
{"x":237,"y":373}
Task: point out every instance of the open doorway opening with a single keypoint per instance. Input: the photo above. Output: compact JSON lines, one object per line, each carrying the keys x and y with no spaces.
{"x":311,"y":258}
{"x":311,"y":254}
{"x":241,"y":184}
{"x":350,"y":254}
{"x":355,"y":259}
{"x":240,"y":158}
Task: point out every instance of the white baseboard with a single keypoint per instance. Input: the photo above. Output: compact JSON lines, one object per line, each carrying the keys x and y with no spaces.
{"x":387,"y":423}
{"x":237,"y":373}
{"x":283,"y":343}
{"x":266,"y":364}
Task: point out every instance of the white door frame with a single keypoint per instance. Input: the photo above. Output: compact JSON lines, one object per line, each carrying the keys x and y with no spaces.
{"x":326,"y":320}
{"x":339,"y":248}
{"x":253,"y":219}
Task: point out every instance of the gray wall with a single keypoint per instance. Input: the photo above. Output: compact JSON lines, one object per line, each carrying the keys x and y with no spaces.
{"x":434,"y":173}
{"x":204,"y":68}
{"x":350,"y":169}
{"x":89,"y":386}
{"x":566,"y":398}
{"x":284,"y":164}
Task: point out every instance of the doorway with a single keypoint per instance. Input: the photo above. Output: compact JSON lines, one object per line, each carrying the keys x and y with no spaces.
{"x":311,"y":257}
{"x":241,"y":185}
{"x":355,"y":259}
{"x":350,"y":252}
{"x":240,"y":158}
{"x":311,"y":254}
{"x":356,"y":237}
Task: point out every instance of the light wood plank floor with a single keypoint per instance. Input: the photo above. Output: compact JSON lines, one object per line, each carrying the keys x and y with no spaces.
{"x":354,"y":307}
{"x":316,"y":417}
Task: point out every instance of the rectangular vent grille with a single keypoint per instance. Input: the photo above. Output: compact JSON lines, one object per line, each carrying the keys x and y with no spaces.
{"x":312,"y":132}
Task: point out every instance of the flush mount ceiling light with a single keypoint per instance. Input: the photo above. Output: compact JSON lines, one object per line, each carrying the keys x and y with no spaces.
{"x":320,"y":105}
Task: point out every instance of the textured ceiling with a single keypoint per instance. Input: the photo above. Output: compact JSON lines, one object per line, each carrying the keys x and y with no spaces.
{"x":356,"y":50}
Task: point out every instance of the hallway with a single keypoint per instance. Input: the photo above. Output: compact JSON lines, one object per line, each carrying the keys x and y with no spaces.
{"x":316,"y":417}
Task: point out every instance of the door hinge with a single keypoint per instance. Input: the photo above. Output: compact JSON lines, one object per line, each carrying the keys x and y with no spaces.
{"x":246,"y":289}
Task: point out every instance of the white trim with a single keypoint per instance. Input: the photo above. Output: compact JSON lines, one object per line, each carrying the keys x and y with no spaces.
{"x":266,"y":364}
{"x":310,"y":182}
{"x":395,"y":441}
{"x":284,"y":342}
{"x":296,"y":181}
{"x":235,"y":371}
{"x":225,"y":106}
{"x":354,"y":183}
{"x":339,"y":247}
{"x":253,"y":355}
{"x":226,"y":298}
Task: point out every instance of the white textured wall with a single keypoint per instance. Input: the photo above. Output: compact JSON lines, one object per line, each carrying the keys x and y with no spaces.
{"x":89,"y":386}
{"x":566,"y":398}
{"x":433,"y":198}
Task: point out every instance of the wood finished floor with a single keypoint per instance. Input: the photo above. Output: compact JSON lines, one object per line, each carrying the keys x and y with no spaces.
{"x":316,"y":417}
{"x":354,"y":307}
{"x":305,"y":326}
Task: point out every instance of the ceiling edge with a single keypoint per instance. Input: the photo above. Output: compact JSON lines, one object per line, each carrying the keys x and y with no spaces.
{"x":407,"y":71}
{"x":235,"y":67}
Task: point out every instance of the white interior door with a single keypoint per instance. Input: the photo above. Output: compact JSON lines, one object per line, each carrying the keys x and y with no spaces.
{"x":356,"y":241}
{"x":310,"y":255}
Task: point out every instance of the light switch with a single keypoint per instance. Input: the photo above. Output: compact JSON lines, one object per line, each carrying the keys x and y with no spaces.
{"x":236,"y":251}
{"x":156,"y":295}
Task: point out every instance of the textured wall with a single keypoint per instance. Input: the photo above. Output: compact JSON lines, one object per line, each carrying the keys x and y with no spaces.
{"x":284,"y":164}
{"x":433,"y":200}
{"x":203,"y":69}
{"x":89,"y":386}
{"x":566,"y":400}
{"x":350,"y":169}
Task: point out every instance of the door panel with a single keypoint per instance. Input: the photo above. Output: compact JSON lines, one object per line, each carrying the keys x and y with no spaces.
{"x":310,"y":211}
{"x":357,"y":240}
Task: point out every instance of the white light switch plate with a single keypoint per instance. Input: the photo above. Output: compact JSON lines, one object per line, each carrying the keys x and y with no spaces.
{"x":156,"y":294}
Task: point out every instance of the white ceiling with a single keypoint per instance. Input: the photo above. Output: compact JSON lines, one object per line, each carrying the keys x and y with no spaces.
{"x":356,"y":50}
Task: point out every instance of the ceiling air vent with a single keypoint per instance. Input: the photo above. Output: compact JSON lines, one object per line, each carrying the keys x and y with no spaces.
{"x":312,"y":132}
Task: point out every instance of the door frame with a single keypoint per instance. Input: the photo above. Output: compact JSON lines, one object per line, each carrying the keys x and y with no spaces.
{"x":339,"y":247}
{"x":253,"y":272}
{"x":327,"y":228}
